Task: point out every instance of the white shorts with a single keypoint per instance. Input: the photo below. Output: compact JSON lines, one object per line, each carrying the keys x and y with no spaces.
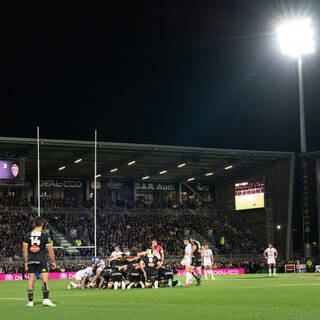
{"x":207,"y":263}
{"x":187,"y":262}
{"x":79,"y":275}
{"x":271,"y":261}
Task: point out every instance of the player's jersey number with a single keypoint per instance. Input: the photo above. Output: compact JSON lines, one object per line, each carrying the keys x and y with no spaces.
{"x":35,"y":241}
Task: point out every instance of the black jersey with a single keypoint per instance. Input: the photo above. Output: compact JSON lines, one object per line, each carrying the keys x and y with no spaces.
{"x":37,"y":241}
{"x":197,"y":253}
{"x":151,"y":264}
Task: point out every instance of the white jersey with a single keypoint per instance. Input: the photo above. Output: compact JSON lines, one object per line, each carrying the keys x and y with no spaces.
{"x":271,"y":254}
{"x":116,"y":253}
{"x":85,"y":272}
{"x":207,"y":254}
{"x":187,"y":254}
{"x":101,"y":265}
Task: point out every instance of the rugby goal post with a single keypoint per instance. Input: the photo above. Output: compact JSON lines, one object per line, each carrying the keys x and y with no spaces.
{"x":290,"y":268}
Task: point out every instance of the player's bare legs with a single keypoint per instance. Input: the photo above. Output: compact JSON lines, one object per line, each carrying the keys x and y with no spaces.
{"x":31,"y":280}
{"x":45,"y":290}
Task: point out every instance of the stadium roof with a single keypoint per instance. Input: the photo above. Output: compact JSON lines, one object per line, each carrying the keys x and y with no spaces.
{"x":146,"y":160}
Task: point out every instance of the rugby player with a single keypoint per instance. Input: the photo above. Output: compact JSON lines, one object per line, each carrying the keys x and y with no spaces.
{"x":157,"y":250}
{"x":150,"y":265}
{"x":34,"y":254}
{"x":196,"y":258}
{"x":207,"y":262}
{"x":271,"y":254}
{"x":117,"y":252}
{"x":98,"y":265}
{"x":186,"y":261}
{"x":82,"y":277}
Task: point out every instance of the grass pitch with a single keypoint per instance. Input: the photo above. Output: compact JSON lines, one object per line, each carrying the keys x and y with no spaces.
{"x":240,"y":297}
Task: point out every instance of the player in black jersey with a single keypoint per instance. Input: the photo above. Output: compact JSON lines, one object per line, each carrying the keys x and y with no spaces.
{"x":196,"y":258}
{"x":150,"y":265}
{"x":34,"y":254}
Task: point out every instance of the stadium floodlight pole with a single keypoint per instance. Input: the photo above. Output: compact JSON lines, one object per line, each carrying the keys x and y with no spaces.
{"x":296,"y":40}
{"x":95,"y":193}
{"x":38,"y":167}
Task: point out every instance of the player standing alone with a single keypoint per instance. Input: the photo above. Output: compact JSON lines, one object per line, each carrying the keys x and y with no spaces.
{"x":34,"y":255}
{"x":207,"y":262}
{"x":271,"y":254}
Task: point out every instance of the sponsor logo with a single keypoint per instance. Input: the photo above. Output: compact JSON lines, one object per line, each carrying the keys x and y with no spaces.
{"x":15,"y":170}
{"x":63,"y":276}
{"x":61,"y":184}
{"x":155,"y":187}
{"x":34,"y":249}
{"x":9,"y":277}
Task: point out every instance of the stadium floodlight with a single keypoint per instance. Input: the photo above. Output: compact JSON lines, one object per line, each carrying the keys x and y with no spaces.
{"x":98,"y":175}
{"x":228,"y":168}
{"x":209,"y":174}
{"x":131,"y":163}
{"x":191,"y":179}
{"x":145,"y":178}
{"x":62,"y":168}
{"x":114,"y":170}
{"x":163,"y":172}
{"x":278,"y":226}
{"x":296,"y":37}
{"x":181,"y":165}
{"x":78,"y":160}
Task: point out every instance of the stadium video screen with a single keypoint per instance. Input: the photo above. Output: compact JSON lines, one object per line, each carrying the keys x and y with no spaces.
{"x":9,"y":170}
{"x":249,"y":195}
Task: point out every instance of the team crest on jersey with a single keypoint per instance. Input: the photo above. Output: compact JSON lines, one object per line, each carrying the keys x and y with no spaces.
{"x":15,"y":170}
{"x":44,"y":270}
{"x":34,"y":249}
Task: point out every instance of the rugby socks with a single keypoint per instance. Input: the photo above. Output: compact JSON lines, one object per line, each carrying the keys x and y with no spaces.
{"x":212,"y":276}
{"x":30,"y":295}
{"x":197,"y":278}
{"x":74,"y":285}
{"x":45,"y":291}
{"x":270,"y":272}
{"x":274,"y":271}
{"x":188,"y":277}
{"x":206,"y":274}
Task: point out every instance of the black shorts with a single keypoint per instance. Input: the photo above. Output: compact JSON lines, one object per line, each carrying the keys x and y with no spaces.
{"x":38,"y":267}
{"x":196,"y":262}
{"x":151,"y":278}
{"x":116,"y":276}
{"x":133,"y":276}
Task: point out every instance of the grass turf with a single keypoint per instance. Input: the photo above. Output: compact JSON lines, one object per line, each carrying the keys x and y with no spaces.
{"x":229,"y":297}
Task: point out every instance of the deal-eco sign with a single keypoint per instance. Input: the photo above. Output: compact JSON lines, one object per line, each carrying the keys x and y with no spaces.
{"x":60,"y":184}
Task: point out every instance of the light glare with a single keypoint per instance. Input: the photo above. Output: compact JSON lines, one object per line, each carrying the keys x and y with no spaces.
{"x":131,"y":163}
{"x":296,"y":37}
{"x":114,"y":170}
{"x":78,"y":160}
{"x":163,"y":172}
{"x":62,"y":168}
{"x":145,"y":178}
{"x":181,"y":165}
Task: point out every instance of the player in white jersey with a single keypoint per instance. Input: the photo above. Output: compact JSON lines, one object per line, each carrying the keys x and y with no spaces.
{"x":271,"y":254}
{"x":207,"y":262}
{"x":81,"y":278}
{"x":117,"y":253}
{"x":186,"y":261}
{"x":98,"y":265}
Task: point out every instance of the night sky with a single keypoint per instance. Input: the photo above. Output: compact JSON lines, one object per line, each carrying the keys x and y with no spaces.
{"x":195,"y":73}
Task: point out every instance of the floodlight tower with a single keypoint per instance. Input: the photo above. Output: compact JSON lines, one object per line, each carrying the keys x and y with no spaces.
{"x":296,"y":40}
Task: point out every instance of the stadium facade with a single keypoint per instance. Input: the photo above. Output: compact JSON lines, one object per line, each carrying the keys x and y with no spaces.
{"x":134,"y":171}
